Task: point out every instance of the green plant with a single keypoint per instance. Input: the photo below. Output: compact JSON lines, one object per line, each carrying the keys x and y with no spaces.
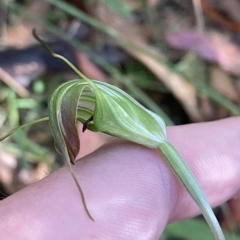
{"x":11,"y":111}
{"x":105,"y":108}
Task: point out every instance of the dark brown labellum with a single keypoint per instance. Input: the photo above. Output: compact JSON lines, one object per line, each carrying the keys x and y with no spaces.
{"x":85,"y":125}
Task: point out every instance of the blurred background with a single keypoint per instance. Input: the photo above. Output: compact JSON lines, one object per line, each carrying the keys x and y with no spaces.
{"x":180,"y":59}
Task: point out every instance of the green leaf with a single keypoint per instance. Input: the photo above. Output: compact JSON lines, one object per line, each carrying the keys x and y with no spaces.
{"x":120,"y":7}
{"x":191,"y":229}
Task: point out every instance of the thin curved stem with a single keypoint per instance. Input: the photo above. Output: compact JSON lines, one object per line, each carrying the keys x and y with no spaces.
{"x":79,"y":189}
{"x":23,"y":126}
{"x":59,"y":56}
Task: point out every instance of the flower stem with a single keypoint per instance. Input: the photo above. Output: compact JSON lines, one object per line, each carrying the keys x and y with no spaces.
{"x":187,"y":178}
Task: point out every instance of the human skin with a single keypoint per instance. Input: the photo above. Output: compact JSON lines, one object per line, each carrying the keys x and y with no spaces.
{"x":129,"y":189}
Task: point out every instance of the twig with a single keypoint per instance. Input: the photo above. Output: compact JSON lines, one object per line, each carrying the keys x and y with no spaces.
{"x":199,"y":15}
{"x":8,"y":80}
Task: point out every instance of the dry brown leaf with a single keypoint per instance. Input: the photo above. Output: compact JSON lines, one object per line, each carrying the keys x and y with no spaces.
{"x":89,"y":68}
{"x":8,"y":164}
{"x":206,"y":108}
{"x":231,"y":7}
{"x":210,"y":46}
{"x":20,"y":35}
{"x":230,"y":222}
{"x":181,"y":89}
{"x":234,"y":206}
{"x":223,"y":84}
{"x":8,"y":80}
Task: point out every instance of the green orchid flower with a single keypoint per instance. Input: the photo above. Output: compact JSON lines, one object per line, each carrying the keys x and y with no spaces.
{"x":102,"y":107}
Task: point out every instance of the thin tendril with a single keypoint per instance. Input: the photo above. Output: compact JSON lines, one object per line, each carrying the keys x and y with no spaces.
{"x":23,"y":126}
